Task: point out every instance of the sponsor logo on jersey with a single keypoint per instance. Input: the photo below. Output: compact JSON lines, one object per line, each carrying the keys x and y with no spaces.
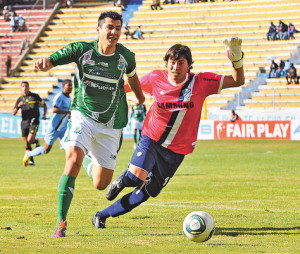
{"x":187,"y":94}
{"x":121,"y":65}
{"x":105,"y":87}
{"x":177,"y":105}
{"x":87,"y":56}
{"x":104,"y":64}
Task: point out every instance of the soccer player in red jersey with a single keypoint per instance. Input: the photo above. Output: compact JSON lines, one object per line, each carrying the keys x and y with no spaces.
{"x":171,"y":125}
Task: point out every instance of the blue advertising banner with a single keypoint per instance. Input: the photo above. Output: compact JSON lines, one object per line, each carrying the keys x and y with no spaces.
{"x":10,"y":127}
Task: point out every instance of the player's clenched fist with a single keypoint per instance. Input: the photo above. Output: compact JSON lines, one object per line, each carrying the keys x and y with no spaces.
{"x":234,"y":51}
{"x":43,"y":64}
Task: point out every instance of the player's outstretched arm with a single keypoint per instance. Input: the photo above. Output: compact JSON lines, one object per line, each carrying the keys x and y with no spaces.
{"x":135,"y":86}
{"x":235,"y":55}
{"x":43,"y":64}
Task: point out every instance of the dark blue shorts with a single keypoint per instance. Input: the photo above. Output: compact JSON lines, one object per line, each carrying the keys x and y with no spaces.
{"x":160,"y":163}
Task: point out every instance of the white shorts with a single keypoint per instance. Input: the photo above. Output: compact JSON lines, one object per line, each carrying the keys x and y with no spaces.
{"x":97,"y":140}
{"x":137,"y":124}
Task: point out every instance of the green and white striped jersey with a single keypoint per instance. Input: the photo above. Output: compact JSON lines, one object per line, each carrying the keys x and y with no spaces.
{"x":98,"y":81}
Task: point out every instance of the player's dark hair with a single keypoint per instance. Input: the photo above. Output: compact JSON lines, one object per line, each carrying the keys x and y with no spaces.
{"x":177,"y":51}
{"x":25,"y":82}
{"x":66,"y":81}
{"x":109,"y":14}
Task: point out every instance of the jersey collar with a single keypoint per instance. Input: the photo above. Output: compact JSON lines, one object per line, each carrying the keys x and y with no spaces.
{"x":174,"y":84}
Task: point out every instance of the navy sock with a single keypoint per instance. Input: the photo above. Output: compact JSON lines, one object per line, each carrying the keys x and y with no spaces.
{"x":130,"y":180}
{"x":125,"y":204}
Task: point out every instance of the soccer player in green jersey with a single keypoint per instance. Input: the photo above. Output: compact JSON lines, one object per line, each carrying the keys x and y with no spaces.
{"x":138,"y":114}
{"x":99,"y":110}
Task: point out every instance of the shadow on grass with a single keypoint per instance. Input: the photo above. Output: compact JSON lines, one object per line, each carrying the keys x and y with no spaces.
{"x":257,"y":231}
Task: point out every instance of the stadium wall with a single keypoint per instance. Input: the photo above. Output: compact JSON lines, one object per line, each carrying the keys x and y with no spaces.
{"x":208,"y":129}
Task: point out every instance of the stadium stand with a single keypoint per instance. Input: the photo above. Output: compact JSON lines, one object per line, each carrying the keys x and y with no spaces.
{"x":202,"y":26}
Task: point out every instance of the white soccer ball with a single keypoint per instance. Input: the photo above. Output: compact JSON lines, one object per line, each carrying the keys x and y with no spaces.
{"x":199,"y":226}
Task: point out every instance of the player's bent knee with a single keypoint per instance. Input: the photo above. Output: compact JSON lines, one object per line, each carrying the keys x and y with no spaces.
{"x":100,"y":184}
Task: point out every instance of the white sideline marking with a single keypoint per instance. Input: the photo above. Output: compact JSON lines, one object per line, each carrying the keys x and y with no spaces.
{"x":267,"y":152}
{"x":185,"y":205}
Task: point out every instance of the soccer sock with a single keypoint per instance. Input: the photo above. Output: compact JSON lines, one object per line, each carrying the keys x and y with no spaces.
{"x":88,"y":166}
{"x":28,"y":148}
{"x":65,"y":194}
{"x":125,"y":204}
{"x":130,"y":180}
{"x":134,"y":138}
{"x":37,"y":151}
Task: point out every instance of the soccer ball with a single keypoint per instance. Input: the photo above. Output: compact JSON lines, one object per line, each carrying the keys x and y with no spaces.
{"x":199,"y":226}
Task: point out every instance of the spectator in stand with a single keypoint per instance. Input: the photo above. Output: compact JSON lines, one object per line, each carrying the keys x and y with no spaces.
{"x":291,"y":31}
{"x":273,"y":69}
{"x":14,"y":23}
{"x":127,"y":31}
{"x":155,"y":5}
{"x":8,"y":66}
{"x":272,"y":32}
{"x":138,"y":34}
{"x":291,"y":75}
{"x":287,"y":65}
{"x":119,"y":3}
{"x":280,"y":71}
{"x":283,"y":31}
{"x":281,"y":64}
{"x":235,"y":117}
{"x":21,"y":24}
{"x":24,"y":45}
{"x":69,"y":3}
{"x":6,"y":14}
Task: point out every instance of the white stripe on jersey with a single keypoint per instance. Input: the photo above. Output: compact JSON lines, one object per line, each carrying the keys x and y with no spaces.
{"x":179,"y":117}
{"x":221,"y":84}
{"x":107,"y":80}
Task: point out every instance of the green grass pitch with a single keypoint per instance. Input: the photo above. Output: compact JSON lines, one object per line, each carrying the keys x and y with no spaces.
{"x":251,"y":188}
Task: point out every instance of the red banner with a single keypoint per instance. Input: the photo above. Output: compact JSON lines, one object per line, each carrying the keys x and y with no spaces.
{"x":253,"y":130}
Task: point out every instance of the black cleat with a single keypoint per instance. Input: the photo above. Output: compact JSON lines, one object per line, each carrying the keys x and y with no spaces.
{"x":98,"y":222}
{"x":115,"y":188}
{"x":37,"y":143}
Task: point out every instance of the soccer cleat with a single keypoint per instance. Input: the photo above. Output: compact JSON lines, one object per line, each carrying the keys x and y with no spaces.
{"x":26,"y":160}
{"x":60,"y":230}
{"x":37,"y":143}
{"x":115,"y":188}
{"x":31,"y":163}
{"x":98,"y":222}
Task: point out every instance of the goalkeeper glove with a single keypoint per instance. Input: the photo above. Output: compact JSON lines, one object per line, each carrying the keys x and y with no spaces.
{"x":234,"y":51}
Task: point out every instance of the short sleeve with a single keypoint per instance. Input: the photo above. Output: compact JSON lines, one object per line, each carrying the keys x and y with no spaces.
{"x":17,"y":102}
{"x":131,"y":68}
{"x":57,"y":101}
{"x":211,"y":83}
{"x":146,"y":83}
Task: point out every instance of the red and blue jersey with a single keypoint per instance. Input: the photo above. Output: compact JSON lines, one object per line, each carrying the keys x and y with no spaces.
{"x":173,"y":119}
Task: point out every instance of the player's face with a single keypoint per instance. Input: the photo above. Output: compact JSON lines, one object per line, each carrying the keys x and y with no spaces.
{"x":67,"y":88}
{"x":25,"y":88}
{"x":178,"y":69}
{"x":109,"y":32}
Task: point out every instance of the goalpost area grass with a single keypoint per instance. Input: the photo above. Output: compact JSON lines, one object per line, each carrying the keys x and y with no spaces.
{"x":251,"y":188}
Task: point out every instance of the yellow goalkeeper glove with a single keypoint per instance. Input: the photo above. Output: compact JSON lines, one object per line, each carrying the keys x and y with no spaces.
{"x":234,"y":51}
